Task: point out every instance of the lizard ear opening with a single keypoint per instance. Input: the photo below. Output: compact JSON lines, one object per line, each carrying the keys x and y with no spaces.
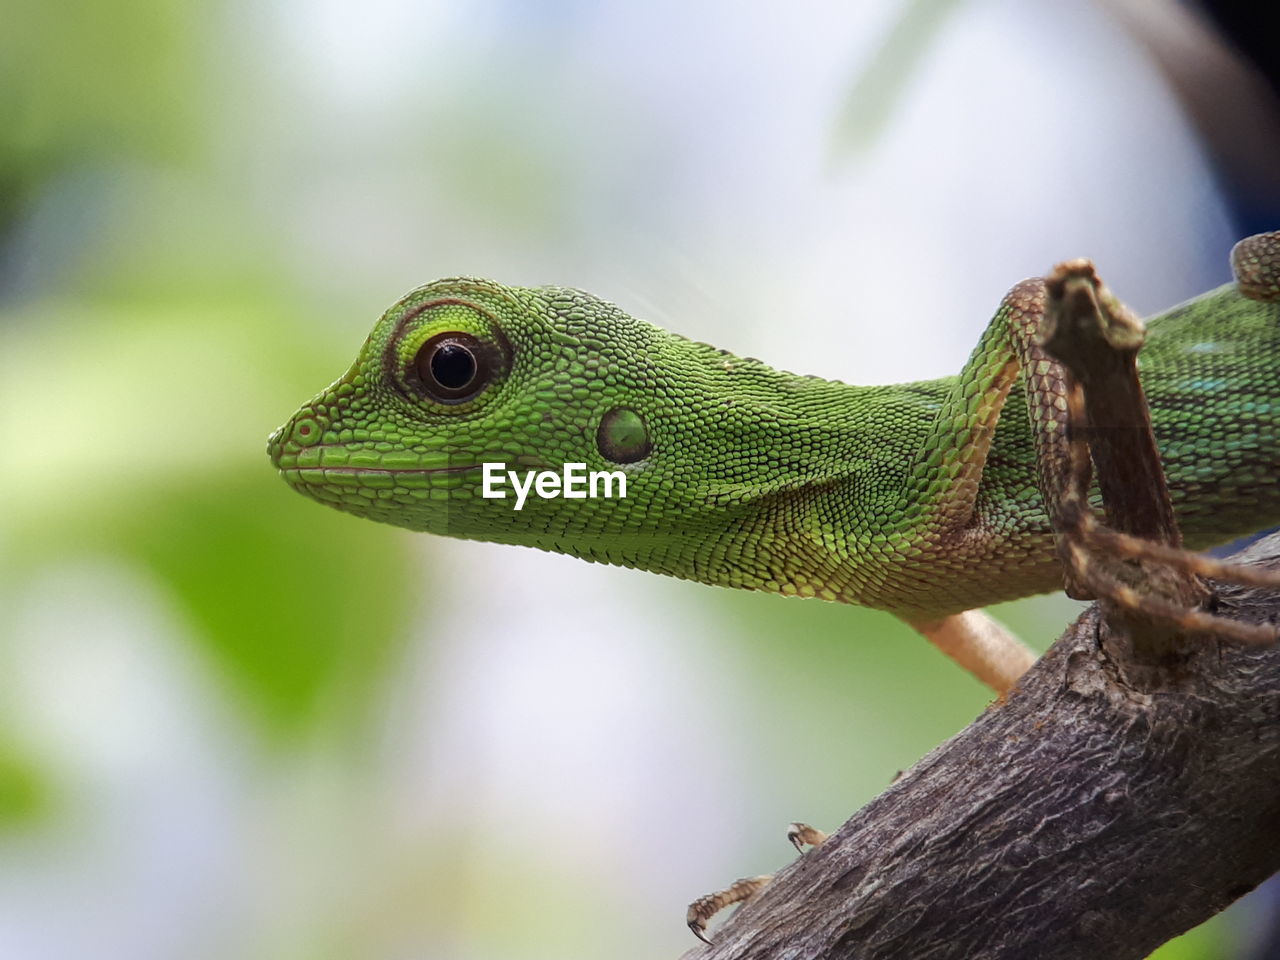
{"x":623,"y":436}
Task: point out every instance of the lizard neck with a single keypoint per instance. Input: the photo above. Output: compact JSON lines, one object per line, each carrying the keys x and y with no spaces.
{"x":770,"y":480}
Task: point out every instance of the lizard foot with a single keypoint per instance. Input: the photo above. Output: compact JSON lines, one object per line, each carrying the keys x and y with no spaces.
{"x":1087,"y":533}
{"x":741,"y":891}
{"x":1097,"y":337}
{"x":708,"y":905}
{"x":802,"y":835}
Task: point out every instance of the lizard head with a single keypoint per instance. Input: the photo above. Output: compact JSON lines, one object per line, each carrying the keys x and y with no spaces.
{"x":664,"y":437}
{"x":462,"y":373}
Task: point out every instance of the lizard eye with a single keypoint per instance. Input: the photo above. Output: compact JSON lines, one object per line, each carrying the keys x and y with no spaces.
{"x":452,"y":367}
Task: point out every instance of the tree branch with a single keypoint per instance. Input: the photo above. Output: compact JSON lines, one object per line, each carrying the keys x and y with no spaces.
{"x":1082,"y":817}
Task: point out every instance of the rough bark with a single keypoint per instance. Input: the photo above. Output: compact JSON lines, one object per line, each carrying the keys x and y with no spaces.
{"x":1083,"y":817}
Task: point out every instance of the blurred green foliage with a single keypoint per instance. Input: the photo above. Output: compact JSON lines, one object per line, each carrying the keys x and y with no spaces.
{"x":164,"y":469}
{"x":26,"y":793}
{"x":84,"y":82}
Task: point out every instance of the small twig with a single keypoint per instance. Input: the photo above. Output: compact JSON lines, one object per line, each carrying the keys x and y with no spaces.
{"x":1097,"y":339}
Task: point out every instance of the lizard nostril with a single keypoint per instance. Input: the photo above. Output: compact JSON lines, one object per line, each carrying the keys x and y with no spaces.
{"x":305,"y":432}
{"x":288,"y":439}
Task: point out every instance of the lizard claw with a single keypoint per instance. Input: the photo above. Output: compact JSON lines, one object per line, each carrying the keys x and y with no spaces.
{"x":699,"y":927}
{"x":706,"y":907}
{"x":802,"y":835}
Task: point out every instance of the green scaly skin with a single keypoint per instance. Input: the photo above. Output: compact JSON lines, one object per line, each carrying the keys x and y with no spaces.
{"x":883,"y":496}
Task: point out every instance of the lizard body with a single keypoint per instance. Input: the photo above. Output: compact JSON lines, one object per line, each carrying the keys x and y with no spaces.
{"x":921,"y":499}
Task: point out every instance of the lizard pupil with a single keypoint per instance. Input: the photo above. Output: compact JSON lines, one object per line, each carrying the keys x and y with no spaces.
{"x":453,"y":366}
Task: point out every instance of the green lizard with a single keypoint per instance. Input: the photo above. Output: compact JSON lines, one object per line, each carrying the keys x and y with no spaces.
{"x":923,"y":499}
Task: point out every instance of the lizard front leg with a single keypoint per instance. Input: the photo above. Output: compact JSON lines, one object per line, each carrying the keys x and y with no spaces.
{"x":942,"y":492}
{"x":947,"y":477}
{"x":950,"y":472}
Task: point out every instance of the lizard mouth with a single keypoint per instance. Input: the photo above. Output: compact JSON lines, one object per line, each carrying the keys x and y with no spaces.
{"x":341,"y":482}
{"x":364,"y":490}
{"x":305,"y":462}
{"x":397,"y":471}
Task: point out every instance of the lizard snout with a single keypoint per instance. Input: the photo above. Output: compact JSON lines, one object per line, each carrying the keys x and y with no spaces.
{"x":302,"y":431}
